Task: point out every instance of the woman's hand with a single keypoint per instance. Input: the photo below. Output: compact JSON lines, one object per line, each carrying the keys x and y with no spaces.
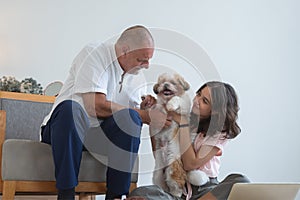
{"x":178,"y":118}
{"x":159,"y":119}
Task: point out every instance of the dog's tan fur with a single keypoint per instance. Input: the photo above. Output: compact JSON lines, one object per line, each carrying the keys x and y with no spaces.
{"x":179,"y":175}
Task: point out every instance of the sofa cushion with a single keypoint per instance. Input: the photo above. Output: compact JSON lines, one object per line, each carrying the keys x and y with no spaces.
{"x":32,"y":160}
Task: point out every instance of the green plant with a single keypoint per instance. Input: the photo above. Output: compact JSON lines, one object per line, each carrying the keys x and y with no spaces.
{"x":28,"y":85}
{"x":9,"y":83}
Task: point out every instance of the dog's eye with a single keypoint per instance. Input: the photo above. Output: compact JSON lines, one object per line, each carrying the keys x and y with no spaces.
{"x":173,"y":82}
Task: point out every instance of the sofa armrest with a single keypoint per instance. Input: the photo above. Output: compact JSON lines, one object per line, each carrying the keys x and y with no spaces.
{"x":2,"y":137}
{"x":2,"y":126}
{"x":24,"y":114}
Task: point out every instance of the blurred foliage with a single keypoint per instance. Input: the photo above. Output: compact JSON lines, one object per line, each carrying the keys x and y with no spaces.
{"x":28,"y":85}
{"x":10,"y":84}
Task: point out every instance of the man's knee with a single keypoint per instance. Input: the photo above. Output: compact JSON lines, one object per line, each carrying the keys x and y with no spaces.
{"x":129,"y":122}
{"x":130,"y":115}
{"x":69,"y":109}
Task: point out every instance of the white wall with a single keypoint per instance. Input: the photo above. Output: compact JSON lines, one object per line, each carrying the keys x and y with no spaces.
{"x":254,"y":45}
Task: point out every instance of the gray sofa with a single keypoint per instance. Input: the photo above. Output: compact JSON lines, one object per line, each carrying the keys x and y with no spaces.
{"x":27,"y":164}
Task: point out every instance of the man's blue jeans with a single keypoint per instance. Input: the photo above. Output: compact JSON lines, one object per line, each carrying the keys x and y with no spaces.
{"x":117,"y":137}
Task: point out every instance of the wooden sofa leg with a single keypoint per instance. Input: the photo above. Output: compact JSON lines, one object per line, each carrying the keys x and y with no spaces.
{"x":9,"y":190}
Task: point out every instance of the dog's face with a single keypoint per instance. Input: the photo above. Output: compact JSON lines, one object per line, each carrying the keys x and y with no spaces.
{"x":170,"y":85}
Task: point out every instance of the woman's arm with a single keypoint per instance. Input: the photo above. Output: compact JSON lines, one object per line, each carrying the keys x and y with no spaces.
{"x":191,"y":159}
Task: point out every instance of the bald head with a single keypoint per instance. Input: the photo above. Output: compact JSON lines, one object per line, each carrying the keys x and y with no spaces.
{"x":136,"y":37}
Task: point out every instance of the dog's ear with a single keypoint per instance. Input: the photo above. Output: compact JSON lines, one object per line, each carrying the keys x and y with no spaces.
{"x":182,"y":82}
{"x":162,"y":77}
{"x":186,"y":85}
{"x":155,"y":88}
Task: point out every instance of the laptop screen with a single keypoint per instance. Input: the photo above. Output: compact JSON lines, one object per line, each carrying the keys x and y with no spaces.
{"x":264,"y":191}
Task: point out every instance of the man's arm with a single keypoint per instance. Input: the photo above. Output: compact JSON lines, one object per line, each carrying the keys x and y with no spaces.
{"x":98,"y":106}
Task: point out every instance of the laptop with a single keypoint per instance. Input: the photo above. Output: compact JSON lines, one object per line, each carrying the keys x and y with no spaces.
{"x":264,"y":191}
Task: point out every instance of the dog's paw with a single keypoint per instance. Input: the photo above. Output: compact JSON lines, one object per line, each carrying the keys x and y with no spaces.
{"x":173,"y":104}
{"x":197,"y":177}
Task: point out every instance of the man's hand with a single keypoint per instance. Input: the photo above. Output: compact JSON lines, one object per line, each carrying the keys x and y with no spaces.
{"x":147,"y":102}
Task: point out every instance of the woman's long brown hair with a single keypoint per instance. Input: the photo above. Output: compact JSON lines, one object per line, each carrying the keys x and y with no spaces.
{"x":224,"y":111}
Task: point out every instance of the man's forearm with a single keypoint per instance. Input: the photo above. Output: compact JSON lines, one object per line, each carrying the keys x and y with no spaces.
{"x":144,"y":114}
{"x":107,"y":109}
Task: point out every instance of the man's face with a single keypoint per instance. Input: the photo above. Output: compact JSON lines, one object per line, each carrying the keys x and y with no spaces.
{"x":138,"y":59}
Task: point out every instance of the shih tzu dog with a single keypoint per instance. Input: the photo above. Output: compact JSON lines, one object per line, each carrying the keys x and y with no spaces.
{"x":169,"y":173}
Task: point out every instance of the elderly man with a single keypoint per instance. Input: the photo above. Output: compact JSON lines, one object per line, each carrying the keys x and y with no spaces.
{"x":101,"y":97}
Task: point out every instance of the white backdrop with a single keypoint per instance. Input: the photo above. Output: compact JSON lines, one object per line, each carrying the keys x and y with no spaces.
{"x":254,"y":45}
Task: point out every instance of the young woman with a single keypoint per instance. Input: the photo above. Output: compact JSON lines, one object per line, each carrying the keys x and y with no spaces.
{"x":213,"y":121}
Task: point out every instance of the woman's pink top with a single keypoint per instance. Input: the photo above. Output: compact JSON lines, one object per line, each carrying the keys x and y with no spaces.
{"x":211,"y":168}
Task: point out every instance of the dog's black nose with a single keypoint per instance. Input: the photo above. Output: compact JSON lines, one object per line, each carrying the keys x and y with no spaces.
{"x":166,"y":85}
